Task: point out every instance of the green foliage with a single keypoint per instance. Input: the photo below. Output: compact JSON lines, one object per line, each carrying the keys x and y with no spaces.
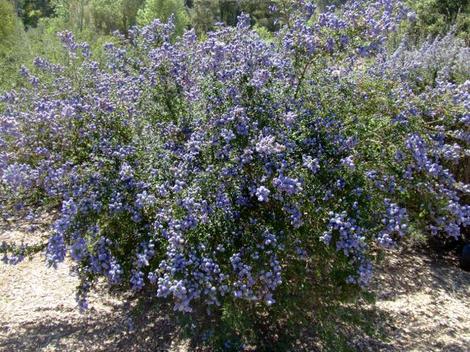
{"x":7,"y":22}
{"x":260,"y":13}
{"x":229,"y":10}
{"x":204,"y":14}
{"x":163,"y":9}
{"x":110,"y":15}
{"x":72,"y":15}
{"x":11,"y":43}
{"x":129,"y":10}
{"x":436,"y":17}
{"x":107,"y":15}
{"x":94,"y":16}
{"x":31,"y":11}
{"x":263,"y":32}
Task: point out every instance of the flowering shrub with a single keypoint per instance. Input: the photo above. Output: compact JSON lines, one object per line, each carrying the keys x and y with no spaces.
{"x":234,"y":173}
{"x":441,"y":59}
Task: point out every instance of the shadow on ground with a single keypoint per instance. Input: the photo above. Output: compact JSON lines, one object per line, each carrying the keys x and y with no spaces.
{"x":116,"y":330}
{"x":422,"y":305}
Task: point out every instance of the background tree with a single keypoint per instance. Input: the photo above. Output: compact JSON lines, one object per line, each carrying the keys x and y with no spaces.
{"x":11,"y":49}
{"x":111,"y":15}
{"x":31,"y":11}
{"x":7,"y":21}
{"x":229,"y":11}
{"x":434,"y":17}
{"x":163,"y":9}
{"x":107,"y":15}
{"x":204,"y":13}
{"x":73,"y":15}
{"x":129,"y":11}
{"x":260,"y":13}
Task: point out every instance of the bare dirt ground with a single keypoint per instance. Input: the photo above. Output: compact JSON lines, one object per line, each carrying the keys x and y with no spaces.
{"x":38,"y":311}
{"x":423,"y":304}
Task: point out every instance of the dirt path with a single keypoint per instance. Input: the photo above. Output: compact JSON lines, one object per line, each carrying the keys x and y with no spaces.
{"x":423,"y":305}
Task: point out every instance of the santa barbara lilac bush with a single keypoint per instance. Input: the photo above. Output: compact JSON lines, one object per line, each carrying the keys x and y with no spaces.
{"x":234,"y":171}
